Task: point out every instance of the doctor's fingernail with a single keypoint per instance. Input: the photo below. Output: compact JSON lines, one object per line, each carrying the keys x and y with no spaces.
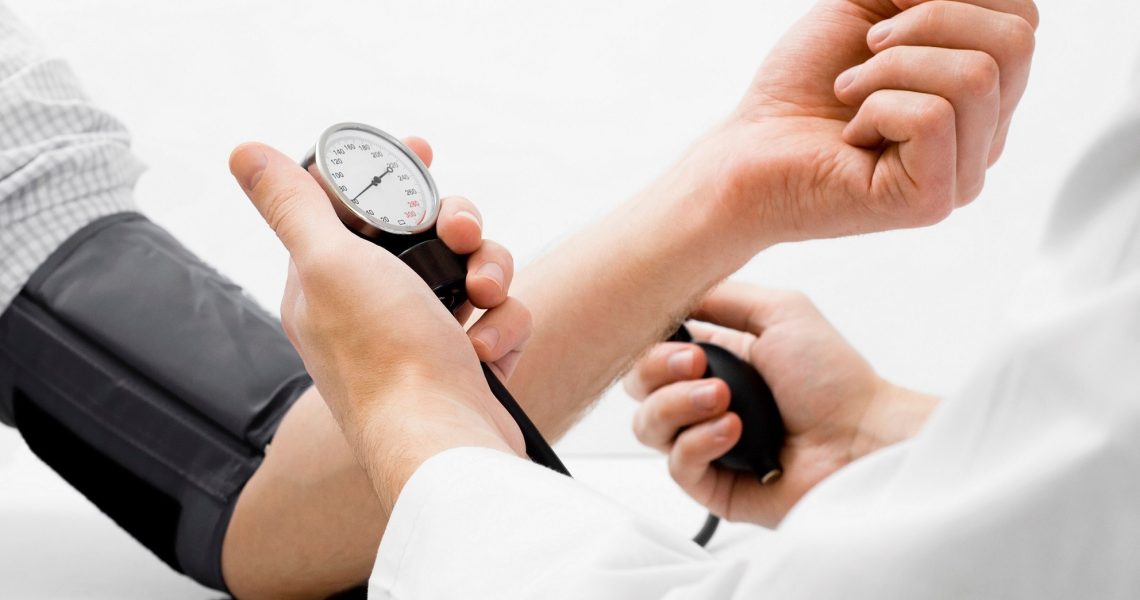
{"x":254,"y":167}
{"x":704,"y":397}
{"x":489,"y":336}
{"x":720,"y":427}
{"x":470,"y":216}
{"x":847,"y":77}
{"x":680,"y":363}
{"x":494,"y":272}
{"x":880,"y":32}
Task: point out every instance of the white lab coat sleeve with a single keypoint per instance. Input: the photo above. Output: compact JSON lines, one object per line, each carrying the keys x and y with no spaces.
{"x":477,"y":523}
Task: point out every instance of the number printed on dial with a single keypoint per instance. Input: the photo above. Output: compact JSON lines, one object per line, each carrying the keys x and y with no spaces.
{"x":378,"y":179}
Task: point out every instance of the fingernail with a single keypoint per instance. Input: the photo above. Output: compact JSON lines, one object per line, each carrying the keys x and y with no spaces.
{"x":847,"y":77}
{"x":704,"y":397}
{"x":880,"y":32}
{"x":489,"y":336}
{"x":720,"y":427}
{"x":466,"y":214}
{"x":680,"y":363}
{"x":493,"y":271}
{"x":254,"y":167}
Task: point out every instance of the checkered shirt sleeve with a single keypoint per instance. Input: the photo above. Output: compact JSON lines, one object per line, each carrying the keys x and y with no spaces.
{"x":63,"y":161}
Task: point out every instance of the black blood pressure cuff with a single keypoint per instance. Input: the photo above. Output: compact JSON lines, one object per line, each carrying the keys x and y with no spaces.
{"x":148,"y":381}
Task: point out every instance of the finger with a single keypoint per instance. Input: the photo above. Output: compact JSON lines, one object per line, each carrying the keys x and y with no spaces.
{"x":737,"y":342}
{"x":913,"y":179}
{"x":1025,"y":9}
{"x":1006,"y":37}
{"x":665,"y":363}
{"x":677,"y":406}
{"x":421,"y":147}
{"x":999,"y":144}
{"x":967,"y":78}
{"x":489,"y":273}
{"x":291,"y":202}
{"x":694,"y":450}
{"x":750,"y":308}
{"x":464,"y":312}
{"x":459,"y":225}
{"x":500,"y":335}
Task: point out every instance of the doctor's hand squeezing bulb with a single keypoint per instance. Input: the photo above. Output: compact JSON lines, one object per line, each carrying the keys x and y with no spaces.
{"x":758,"y":449}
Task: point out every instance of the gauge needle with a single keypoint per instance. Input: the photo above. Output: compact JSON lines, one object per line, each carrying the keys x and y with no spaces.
{"x":375,"y":182}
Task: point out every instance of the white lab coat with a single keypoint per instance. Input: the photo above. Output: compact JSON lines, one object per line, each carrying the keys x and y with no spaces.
{"x":1025,"y":485}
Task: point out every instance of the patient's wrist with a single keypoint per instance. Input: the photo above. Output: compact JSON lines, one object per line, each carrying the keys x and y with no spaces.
{"x":703,"y":193}
{"x":687,"y":217}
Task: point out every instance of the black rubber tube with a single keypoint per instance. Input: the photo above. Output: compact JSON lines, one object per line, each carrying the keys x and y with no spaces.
{"x":540,"y":452}
{"x":707,"y":530}
{"x":536,"y":447}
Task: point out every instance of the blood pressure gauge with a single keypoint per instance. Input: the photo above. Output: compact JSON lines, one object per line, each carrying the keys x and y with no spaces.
{"x":382,"y":186}
{"x":384,"y":193}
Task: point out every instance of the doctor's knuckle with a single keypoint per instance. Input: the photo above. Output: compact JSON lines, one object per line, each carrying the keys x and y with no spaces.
{"x":632,"y":386}
{"x":676,"y":463}
{"x":795,"y":298}
{"x":522,"y":317}
{"x":640,"y":429}
{"x":663,"y":411}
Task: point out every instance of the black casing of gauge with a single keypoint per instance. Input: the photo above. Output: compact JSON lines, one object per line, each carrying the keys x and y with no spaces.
{"x":444,"y":271}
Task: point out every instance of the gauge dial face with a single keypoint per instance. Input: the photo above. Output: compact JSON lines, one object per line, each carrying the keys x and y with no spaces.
{"x":377,"y":178}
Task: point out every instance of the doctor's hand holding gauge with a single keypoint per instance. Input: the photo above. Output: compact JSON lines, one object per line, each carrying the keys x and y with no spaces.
{"x":400,"y":216}
{"x":393,"y":365}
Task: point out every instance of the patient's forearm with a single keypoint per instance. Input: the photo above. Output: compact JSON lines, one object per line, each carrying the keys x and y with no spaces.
{"x":308,"y":523}
{"x":608,"y":292}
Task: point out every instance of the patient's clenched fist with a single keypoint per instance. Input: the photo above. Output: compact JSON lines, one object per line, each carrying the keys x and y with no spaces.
{"x":871,"y":115}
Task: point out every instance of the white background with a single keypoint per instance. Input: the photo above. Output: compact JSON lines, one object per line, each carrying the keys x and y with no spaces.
{"x":546,"y":115}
